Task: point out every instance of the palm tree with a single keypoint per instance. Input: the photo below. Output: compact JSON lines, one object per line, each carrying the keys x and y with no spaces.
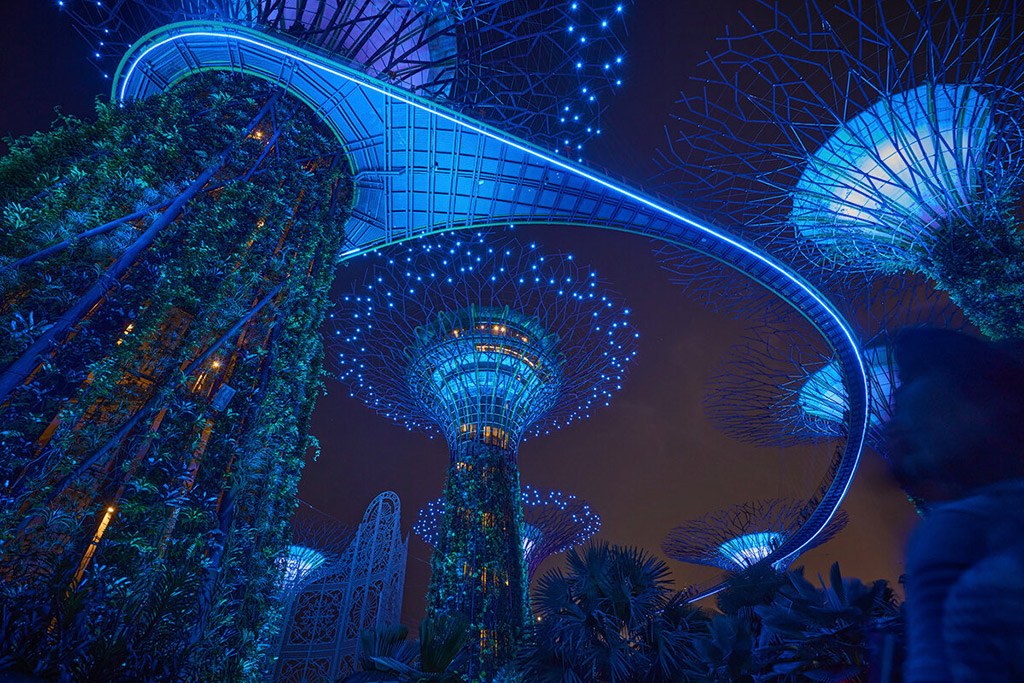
{"x":823,"y":633}
{"x":611,"y":617}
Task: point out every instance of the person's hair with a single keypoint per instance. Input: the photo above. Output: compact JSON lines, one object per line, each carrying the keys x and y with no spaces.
{"x":990,"y":376}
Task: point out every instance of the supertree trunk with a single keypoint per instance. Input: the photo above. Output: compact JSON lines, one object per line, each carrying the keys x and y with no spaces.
{"x":477,"y":566}
{"x":159,"y":377}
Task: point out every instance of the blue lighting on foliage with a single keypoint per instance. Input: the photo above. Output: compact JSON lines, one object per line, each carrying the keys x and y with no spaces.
{"x":553,"y":522}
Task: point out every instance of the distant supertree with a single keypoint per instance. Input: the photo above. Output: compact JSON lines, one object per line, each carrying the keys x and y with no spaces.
{"x":871,"y":137}
{"x":782,"y":386}
{"x":740,"y":536}
{"x":483,"y":345}
{"x":299,"y":564}
{"x":553,"y":522}
{"x":317,"y":541}
{"x":536,"y":66}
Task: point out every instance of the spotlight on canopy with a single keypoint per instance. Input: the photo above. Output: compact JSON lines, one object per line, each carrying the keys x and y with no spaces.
{"x":299,"y":564}
{"x":823,"y":395}
{"x":740,"y":536}
{"x":889,"y":177}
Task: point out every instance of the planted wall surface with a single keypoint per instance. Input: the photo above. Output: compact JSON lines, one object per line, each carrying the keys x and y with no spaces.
{"x":164,"y":280}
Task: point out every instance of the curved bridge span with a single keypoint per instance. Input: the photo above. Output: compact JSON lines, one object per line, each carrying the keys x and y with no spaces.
{"x":421,"y":168}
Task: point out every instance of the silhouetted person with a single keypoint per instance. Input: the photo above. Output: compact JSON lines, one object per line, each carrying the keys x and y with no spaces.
{"x":957,"y":441}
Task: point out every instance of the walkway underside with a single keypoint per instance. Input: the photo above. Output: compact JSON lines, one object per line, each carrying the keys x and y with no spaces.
{"x":420,"y":167}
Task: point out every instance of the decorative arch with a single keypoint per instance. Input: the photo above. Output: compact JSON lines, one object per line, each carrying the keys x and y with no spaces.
{"x":361,"y":590}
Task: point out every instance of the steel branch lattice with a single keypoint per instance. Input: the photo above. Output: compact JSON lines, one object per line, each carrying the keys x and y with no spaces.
{"x":544,"y":68}
{"x":423,"y":168}
{"x":782,"y":386}
{"x":318,"y":540}
{"x":553,"y":522}
{"x":407,"y":341}
{"x":743,"y":535}
{"x":864,"y":136}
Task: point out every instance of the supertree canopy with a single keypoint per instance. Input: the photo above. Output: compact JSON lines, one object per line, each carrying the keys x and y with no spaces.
{"x":877,"y":189}
{"x":537,"y":67}
{"x":553,"y":522}
{"x":317,"y":541}
{"x":484,"y":345}
{"x":740,"y":536}
{"x":781,"y":386}
{"x":497,"y":296}
{"x":300,"y":564}
{"x":872,"y":137}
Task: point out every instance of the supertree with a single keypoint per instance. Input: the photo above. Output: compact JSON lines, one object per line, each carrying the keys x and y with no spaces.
{"x":553,"y":522}
{"x":781,"y":386}
{"x":540,"y":68}
{"x":740,"y":536}
{"x":159,"y":373}
{"x":317,"y":541}
{"x":165,"y":272}
{"x":871,"y":137}
{"x":483,"y":345}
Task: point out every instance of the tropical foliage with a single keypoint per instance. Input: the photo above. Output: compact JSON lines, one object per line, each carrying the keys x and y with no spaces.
{"x":611,"y":616}
{"x":164,"y":272}
{"x":822,"y":634}
{"x":437,"y":657}
{"x":782,"y":628}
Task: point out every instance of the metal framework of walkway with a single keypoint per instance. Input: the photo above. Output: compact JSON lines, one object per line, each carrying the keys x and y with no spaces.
{"x":420,"y":167}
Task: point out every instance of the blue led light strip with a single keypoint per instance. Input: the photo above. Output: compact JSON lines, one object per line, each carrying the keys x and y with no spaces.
{"x":363,"y":82}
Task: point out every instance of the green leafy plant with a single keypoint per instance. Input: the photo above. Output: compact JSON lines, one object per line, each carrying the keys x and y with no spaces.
{"x":386,"y":655}
{"x":611,"y":616}
{"x":165,"y":273}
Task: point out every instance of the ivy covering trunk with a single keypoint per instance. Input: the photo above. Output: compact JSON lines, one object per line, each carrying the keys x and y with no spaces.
{"x":165,"y":273}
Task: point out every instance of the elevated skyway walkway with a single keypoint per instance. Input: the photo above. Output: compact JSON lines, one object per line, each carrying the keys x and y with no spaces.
{"x":420,"y":167}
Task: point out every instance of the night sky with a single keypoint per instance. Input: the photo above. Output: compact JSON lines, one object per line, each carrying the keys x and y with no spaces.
{"x":647,"y":463}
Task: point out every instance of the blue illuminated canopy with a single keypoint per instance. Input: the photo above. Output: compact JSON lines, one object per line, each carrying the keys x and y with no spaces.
{"x":824,"y":396}
{"x":749,"y":549}
{"x":894,"y":172}
{"x":299,"y":564}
